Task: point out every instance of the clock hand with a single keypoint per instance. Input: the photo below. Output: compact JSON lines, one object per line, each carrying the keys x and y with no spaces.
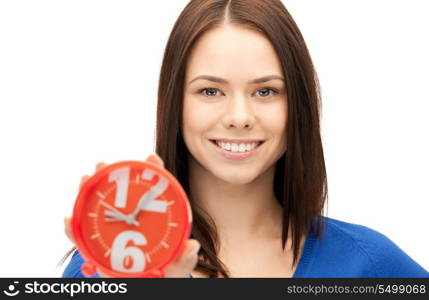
{"x":117,"y":213}
{"x":120,"y":217}
{"x":107,"y":205}
{"x":151,"y":194}
{"x":147,"y":197}
{"x":116,"y":219}
{"x":112,"y":220}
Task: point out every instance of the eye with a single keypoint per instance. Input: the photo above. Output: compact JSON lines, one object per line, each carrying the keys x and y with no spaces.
{"x":209,"y":92}
{"x":212,"y":92}
{"x":265,"y":92}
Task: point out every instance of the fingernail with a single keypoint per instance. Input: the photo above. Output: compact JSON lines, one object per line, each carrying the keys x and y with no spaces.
{"x":151,"y":157}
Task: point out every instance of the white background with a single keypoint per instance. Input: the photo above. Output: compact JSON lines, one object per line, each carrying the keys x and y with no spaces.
{"x":78,"y":85}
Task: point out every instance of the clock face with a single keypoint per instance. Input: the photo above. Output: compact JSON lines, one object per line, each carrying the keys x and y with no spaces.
{"x":131,"y":219}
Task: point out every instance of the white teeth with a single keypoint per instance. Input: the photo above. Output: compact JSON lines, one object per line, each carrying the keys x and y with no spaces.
{"x":233,"y":147}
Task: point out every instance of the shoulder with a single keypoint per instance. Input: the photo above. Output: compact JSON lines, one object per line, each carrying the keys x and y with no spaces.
{"x":370,"y":252}
{"x":73,"y":269}
{"x":365,"y":239}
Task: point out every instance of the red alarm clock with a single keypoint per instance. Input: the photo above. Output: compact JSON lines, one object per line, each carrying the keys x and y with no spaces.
{"x":131,"y":219}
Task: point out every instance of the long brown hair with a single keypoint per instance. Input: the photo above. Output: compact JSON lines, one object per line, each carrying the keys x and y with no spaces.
{"x":300,"y":182}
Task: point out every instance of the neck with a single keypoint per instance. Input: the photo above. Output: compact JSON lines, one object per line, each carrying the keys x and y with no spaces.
{"x":241,"y":212}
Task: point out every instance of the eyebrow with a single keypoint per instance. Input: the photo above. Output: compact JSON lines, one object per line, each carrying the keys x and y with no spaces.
{"x":221,"y":80}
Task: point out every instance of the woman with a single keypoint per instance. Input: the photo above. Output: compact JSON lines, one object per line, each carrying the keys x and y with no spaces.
{"x":238,"y":125}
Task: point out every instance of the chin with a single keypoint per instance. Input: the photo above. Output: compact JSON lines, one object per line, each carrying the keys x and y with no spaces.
{"x":238,"y":178}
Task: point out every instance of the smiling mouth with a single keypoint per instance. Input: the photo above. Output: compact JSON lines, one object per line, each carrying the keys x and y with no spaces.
{"x":237,"y":147}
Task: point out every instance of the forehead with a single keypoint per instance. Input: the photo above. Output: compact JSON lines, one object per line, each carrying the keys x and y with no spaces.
{"x":233,"y":51}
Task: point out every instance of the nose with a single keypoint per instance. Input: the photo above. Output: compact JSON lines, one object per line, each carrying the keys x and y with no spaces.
{"x":238,"y":113}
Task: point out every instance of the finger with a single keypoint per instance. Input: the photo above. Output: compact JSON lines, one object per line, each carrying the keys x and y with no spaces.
{"x":99,"y":166}
{"x":155,"y":158}
{"x":67,"y":229}
{"x":186,"y":262}
{"x":83,"y":180}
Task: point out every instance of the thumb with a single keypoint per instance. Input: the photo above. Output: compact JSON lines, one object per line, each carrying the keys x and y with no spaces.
{"x":67,"y":229}
{"x":186,"y":261}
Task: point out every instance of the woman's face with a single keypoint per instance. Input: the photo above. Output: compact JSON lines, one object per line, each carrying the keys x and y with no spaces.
{"x":234,"y":93}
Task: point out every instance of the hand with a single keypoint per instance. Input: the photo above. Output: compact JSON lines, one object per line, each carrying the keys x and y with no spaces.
{"x":185,"y":262}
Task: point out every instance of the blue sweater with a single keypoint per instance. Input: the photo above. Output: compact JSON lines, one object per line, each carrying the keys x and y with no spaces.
{"x":345,"y":250}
